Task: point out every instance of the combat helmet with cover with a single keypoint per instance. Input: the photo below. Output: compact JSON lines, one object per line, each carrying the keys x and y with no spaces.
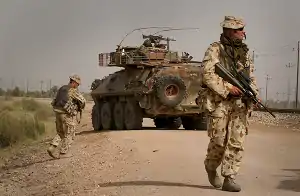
{"x":76,"y":78}
{"x":232,"y":22}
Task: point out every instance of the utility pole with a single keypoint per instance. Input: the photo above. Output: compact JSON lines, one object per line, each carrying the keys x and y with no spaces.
{"x":277,"y":96}
{"x":297,"y":76}
{"x":42,"y":85}
{"x":289,"y":85}
{"x":267,"y":82}
{"x":277,"y":100}
{"x":27,"y":85}
{"x":253,"y":56}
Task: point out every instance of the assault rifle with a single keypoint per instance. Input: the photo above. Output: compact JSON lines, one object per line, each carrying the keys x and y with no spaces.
{"x":79,"y":111}
{"x":241,"y":81}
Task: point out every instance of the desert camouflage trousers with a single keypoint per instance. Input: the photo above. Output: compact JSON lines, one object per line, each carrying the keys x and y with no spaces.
{"x":227,"y":130}
{"x":65,"y":128}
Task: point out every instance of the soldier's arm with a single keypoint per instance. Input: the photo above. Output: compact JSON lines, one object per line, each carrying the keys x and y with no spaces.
{"x":251,"y":75}
{"x":210,"y":78}
{"x":53,"y":101}
{"x":75,"y":94}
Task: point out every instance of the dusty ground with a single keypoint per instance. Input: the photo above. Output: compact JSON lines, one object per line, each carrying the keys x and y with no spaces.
{"x":152,"y":162}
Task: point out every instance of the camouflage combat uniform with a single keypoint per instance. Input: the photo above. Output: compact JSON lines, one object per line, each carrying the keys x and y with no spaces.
{"x":228,"y":115}
{"x":70,"y":138}
{"x":66,"y":105}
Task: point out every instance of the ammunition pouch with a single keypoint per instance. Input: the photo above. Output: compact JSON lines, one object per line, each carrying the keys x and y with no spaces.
{"x":71,"y":108}
{"x":207,"y":101}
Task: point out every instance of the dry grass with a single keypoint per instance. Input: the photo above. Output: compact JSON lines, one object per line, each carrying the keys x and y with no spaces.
{"x":21,"y":120}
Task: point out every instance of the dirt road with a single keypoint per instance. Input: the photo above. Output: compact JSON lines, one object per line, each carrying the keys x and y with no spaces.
{"x":152,"y":162}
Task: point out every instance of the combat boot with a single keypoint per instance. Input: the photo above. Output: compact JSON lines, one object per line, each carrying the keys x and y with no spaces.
{"x":51,"y":151}
{"x":230,"y":185}
{"x":213,"y":178}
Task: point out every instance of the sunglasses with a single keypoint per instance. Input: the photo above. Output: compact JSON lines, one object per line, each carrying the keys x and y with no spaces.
{"x":240,"y":29}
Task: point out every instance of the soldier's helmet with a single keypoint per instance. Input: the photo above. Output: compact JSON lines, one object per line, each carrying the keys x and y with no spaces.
{"x":232,"y":22}
{"x":76,"y":78}
{"x":147,"y":43}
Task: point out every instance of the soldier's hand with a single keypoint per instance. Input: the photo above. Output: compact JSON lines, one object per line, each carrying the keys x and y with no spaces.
{"x":235,"y":91}
{"x":256,"y":106}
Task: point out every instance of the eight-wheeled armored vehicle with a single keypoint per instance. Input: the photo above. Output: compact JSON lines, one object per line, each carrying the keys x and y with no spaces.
{"x":155,"y":82}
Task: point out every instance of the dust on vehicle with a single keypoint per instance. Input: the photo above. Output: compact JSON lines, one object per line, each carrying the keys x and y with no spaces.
{"x":155,"y":83}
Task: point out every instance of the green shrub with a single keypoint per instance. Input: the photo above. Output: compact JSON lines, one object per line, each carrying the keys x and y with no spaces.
{"x":20,"y":120}
{"x":30,"y":105}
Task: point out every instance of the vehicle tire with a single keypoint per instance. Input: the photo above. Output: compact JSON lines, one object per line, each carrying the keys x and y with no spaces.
{"x":133,"y":116}
{"x":118,"y":115}
{"x":170,"y":90}
{"x":106,"y":116}
{"x":96,"y":118}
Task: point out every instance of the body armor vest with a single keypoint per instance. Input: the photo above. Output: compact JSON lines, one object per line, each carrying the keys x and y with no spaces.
{"x":62,"y":96}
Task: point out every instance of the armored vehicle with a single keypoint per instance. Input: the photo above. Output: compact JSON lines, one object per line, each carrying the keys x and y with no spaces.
{"x":155,"y":83}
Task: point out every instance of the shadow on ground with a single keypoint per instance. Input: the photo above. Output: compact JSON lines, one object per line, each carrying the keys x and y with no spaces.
{"x":291,"y":183}
{"x":143,"y":129}
{"x":152,"y":183}
{"x":27,"y":164}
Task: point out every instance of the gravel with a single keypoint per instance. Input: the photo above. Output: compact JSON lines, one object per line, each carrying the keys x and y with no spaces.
{"x":287,"y":120}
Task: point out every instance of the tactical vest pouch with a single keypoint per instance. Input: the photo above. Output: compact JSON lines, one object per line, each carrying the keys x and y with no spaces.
{"x":70,"y":108}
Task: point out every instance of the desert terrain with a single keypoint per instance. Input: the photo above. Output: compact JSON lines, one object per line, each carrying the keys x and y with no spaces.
{"x":154,"y":162}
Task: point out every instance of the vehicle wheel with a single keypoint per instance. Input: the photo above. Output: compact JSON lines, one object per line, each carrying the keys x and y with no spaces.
{"x":170,"y":90}
{"x":106,"y":116}
{"x":118,"y":114}
{"x":133,"y":118}
{"x":96,"y":118}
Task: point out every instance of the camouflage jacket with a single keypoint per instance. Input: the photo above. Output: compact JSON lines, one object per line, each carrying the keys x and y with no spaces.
{"x":216,"y":90}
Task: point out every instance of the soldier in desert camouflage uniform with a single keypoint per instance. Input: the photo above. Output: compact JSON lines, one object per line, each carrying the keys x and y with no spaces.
{"x":228,"y":110}
{"x":66,"y":105}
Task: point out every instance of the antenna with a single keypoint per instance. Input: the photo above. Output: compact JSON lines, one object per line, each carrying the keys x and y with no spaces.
{"x":175,"y":29}
{"x":141,"y":29}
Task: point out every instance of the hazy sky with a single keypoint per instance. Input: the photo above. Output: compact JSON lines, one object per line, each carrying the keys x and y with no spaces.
{"x":51,"y":39}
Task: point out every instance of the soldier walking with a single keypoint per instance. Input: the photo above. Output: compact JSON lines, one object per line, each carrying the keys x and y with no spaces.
{"x":228,"y":110}
{"x":67,"y":103}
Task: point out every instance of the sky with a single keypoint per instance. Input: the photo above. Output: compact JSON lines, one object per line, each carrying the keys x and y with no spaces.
{"x":43,"y":40}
